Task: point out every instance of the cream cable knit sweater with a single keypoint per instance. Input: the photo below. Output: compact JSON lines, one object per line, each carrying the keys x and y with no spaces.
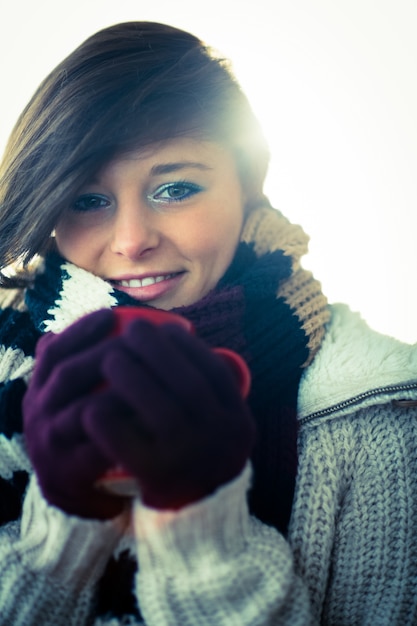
{"x":351,"y":554}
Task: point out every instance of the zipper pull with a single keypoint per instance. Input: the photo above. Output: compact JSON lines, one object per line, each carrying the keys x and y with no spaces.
{"x":405,"y":404}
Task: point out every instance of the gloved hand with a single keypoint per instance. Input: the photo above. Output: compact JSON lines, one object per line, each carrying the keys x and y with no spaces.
{"x":186,"y":430}
{"x":66,"y":459}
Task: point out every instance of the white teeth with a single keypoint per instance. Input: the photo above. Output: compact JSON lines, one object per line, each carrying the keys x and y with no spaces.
{"x":144,"y":282}
{"x":131,"y":283}
{"x":148,"y":281}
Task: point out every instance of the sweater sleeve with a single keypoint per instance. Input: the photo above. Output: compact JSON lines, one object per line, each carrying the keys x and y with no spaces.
{"x":50,"y":563}
{"x":212,"y":563}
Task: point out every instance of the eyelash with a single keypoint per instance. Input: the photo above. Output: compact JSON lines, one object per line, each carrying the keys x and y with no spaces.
{"x":90,"y":197}
{"x":191,"y":189}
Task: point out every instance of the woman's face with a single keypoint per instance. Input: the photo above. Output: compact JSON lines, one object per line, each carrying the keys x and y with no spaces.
{"x":160,"y":224}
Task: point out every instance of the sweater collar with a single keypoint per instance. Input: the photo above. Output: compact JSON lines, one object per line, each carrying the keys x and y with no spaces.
{"x":355,"y":367}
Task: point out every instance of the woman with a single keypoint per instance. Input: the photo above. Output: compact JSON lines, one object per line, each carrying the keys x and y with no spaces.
{"x":134,"y":177}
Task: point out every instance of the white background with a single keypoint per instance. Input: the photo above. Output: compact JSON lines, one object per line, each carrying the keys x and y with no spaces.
{"x":334,"y":85}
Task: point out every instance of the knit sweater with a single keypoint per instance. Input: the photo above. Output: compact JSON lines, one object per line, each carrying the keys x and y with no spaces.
{"x":350,"y":556}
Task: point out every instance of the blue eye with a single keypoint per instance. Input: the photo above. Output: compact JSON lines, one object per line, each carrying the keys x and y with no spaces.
{"x":175,"y":192}
{"x":90,"y":202}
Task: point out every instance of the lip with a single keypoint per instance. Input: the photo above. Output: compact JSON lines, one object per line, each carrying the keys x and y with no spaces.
{"x":166,"y":281}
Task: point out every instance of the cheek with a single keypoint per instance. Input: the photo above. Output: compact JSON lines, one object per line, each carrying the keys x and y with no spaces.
{"x":73,"y":241}
{"x":214,"y":241}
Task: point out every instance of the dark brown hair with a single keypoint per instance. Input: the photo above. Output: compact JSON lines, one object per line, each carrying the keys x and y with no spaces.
{"x":127,"y":86}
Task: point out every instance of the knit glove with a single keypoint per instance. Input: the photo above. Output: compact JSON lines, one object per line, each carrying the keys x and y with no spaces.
{"x":66,"y":459}
{"x":171,"y":415}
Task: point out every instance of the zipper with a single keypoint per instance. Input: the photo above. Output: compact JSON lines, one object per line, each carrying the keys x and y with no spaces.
{"x":364,"y":396}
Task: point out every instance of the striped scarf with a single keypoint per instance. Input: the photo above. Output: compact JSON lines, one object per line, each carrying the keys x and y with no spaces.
{"x":266,"y":307}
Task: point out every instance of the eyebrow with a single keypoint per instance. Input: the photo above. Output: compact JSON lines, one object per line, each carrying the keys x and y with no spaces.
{"x":168,"y":168}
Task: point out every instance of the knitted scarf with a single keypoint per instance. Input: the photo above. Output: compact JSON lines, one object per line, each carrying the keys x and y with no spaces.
{"x":266,"y":307}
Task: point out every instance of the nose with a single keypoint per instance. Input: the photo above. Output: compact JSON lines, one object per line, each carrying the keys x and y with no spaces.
{"x":135,"y":231}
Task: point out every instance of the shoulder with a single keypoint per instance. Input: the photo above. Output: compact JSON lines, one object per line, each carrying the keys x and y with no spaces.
{"x":356,"y":367}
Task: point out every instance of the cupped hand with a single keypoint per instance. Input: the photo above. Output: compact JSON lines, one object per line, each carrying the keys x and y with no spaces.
{"x":171,"y":415}
{"x":63,"y":386}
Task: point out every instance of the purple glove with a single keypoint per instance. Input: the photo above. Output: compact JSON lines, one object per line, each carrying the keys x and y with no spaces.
{"x":172,"y":415}
{"x":66,"y":460}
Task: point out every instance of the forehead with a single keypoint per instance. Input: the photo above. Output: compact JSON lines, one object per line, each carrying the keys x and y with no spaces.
{"x":176,"y":155}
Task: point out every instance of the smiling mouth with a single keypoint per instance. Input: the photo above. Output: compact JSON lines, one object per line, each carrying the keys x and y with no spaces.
{"x":143,"y":282}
